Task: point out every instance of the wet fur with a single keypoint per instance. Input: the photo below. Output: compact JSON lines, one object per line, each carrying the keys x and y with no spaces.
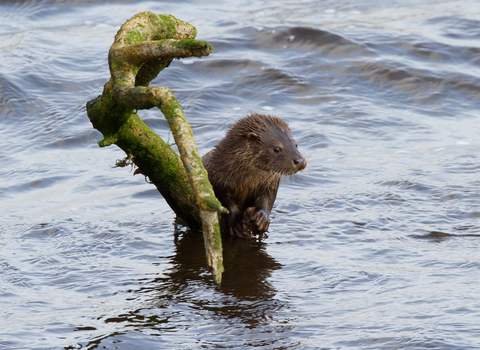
{"x":245,"y":170}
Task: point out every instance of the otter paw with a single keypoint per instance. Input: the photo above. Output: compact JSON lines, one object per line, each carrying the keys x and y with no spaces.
{"x":255,"y":220}
{"x":239,"y":230}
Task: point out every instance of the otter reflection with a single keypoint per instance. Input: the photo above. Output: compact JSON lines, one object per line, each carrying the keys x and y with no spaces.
{"x":247,"y":266}
{"x":186,"y":293}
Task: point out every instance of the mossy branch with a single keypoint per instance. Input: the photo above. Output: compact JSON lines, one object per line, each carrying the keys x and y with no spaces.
{"x":143,"y":46}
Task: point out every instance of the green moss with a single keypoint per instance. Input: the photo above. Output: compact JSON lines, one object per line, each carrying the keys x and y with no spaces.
{"x":107,"y":100}
{"x":134,"y":36}
{"x":136,"y":69}
{"x":108,"y":140}
{"x":191,"y":44}
{"x":213,"y":204}
{"x":217,"y":245}
{"x":163,"y":25}
{"x":118,"y":65}
{"x":122,"y":126}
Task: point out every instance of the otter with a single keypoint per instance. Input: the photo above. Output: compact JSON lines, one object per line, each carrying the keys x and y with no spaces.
{"x":245,"y":167}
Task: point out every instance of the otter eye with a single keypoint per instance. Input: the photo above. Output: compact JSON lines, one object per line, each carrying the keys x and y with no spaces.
{"x":276,"y":149}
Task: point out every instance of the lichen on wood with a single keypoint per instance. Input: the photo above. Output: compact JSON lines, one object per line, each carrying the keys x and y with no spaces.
{"x":144,"y":45}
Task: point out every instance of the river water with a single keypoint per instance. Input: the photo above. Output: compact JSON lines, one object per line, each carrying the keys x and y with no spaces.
{"x":376,"y":245}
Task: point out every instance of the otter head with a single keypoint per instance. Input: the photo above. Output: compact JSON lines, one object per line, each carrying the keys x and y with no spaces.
{"x":272,"y":146}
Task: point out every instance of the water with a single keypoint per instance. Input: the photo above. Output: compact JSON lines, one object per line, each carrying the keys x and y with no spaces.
{"x":374,"y":246}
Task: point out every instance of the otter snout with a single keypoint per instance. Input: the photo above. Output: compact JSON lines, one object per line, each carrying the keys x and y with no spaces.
{"x":300,"y":163}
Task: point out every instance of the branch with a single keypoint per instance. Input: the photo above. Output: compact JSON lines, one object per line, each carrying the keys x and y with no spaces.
{"x":143,"y":46}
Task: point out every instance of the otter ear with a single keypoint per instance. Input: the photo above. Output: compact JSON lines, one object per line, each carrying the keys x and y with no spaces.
{"x":253,"y":136}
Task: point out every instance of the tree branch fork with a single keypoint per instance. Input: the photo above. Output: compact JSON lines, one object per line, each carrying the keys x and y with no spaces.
{"x":145,"y":45}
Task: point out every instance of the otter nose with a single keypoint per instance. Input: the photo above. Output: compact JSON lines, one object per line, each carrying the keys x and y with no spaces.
{"x":300,"y":163}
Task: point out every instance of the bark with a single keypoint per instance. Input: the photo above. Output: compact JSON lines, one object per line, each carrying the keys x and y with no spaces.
{"x":143,"y":46}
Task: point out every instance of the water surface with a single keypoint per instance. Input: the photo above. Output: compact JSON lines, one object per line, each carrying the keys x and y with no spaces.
{"x":374,"y":246}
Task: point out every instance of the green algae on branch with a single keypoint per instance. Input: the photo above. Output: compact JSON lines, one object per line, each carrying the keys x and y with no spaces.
{"x":146,"y":44}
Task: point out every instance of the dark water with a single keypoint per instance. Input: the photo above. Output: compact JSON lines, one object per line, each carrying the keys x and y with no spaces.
{"x":376,"y":245}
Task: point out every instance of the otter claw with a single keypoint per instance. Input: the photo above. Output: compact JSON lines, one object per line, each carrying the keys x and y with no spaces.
{"x":239,"y":230}
{"x":255,"y":220}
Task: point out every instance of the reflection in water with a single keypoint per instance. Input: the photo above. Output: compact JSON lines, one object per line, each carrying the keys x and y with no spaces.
{"x":244,"y":297}
{"x":438,"y":237}
{"x":247,"y":265}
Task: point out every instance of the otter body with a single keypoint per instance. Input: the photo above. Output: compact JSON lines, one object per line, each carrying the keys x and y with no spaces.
{"x":245,"y":167}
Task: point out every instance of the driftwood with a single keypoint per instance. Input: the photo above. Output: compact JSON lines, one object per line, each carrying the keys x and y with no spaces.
{"x":143,"y":46}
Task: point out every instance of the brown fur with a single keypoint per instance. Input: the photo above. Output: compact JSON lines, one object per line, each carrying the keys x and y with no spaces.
{"x":245,"y":167}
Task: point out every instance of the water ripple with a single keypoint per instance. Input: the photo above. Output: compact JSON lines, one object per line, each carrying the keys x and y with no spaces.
{"x":373,"y":246}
